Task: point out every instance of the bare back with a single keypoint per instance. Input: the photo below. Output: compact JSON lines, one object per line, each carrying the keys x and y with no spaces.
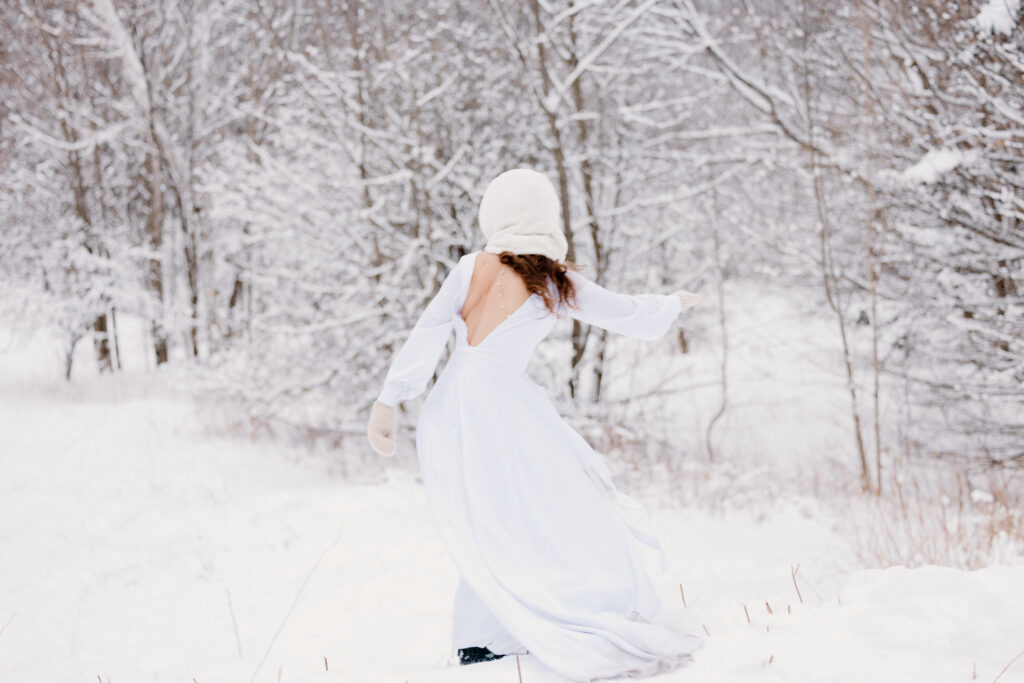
{"x":496,"y":291}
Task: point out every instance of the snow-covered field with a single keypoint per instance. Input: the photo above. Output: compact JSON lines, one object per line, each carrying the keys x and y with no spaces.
{"x":138,"y":546}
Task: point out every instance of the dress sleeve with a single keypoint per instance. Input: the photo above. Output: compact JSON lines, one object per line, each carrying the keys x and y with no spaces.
{"x":641,"y":316}
{"x":417,"y":358}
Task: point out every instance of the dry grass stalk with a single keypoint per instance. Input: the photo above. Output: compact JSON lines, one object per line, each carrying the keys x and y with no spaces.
{"x":519,"y":670}
{"x":768,"y":607}
{"x":1008,"y":665}
{"x":234,"y":622}
{"x":932,"y":518}
{"x":747,"y":613}
{"x":682,"y":594}
{"x":792,"y":571}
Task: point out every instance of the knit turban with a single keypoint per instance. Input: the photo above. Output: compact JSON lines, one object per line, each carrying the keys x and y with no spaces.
{"x":520,"y":212}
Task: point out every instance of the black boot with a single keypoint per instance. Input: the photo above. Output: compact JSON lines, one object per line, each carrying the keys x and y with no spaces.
{"x":472,"y":655}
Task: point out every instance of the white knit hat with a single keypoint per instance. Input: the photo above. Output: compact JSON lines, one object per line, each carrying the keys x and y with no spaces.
{"x":520,"y":212}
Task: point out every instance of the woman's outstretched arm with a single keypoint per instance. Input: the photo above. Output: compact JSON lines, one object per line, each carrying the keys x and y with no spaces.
{"x":641,"y":316}
{"x":414,"y":364}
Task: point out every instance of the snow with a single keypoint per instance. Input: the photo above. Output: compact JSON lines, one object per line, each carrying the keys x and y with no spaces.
{"x":140,"y":545}
{"x":998,"y":16}
{"x":980,"y":496}
{"x":934,"y":164}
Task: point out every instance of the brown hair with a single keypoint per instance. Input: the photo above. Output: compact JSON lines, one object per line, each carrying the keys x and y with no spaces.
{"x":538,"y":270}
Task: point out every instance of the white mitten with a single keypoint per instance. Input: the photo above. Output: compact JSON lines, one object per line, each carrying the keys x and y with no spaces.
{"x":381,"y":430}
{"x":688,"y":298}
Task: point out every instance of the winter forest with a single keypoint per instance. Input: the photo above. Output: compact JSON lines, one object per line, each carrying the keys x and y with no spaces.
{"x":220,"y":220}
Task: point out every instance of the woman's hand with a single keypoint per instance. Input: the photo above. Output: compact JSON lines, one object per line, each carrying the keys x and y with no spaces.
{"x":688,"y":298}
{"x":381,"y":430}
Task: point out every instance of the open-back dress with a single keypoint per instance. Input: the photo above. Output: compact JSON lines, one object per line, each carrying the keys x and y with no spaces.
{"x":526,"y":509}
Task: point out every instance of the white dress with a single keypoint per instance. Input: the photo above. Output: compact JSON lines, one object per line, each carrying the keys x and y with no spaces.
{"x":524,"y":506}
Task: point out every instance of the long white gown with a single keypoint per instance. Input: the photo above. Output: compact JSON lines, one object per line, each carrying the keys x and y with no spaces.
{"x":526,"y":509}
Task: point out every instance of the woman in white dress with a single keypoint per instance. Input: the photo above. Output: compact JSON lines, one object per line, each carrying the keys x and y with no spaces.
{"x":526,"y":509}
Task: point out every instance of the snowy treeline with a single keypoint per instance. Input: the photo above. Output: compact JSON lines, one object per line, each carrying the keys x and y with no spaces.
{"x":277,"y":187}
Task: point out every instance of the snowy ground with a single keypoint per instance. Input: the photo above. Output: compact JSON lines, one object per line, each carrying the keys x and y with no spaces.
{"x":137,"y":547}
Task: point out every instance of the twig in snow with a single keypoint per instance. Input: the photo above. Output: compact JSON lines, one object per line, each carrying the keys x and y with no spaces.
{"x":325,"y":663}
{"x":792,"y":572}
{"x":1008,"y":665}
{"x":295,"y":601}
{"x":747,"y":613}
{"x":13,"y":614}
{"x":706,"y":629}
{"x":768,"y":607}
{"x":682,"y":594}
{"x":234,"y":623}
{"x":519,"y":670}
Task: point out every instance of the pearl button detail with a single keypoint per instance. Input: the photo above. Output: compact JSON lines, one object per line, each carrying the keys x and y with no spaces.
{"x":501,"y":301}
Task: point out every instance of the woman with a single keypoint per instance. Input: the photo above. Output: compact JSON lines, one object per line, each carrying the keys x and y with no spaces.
{"x":526,"y":509}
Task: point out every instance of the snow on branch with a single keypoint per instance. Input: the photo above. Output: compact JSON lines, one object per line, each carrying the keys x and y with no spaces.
{"x":935,"y":163}
{"x":998,"y":16}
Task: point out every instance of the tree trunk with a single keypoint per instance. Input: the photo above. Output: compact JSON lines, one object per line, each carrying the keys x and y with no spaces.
{"x":69,"y":355}
{"x":830,"y":280}
{"x":720,"y":275}
{"x":116,"y":342}
{"x":579,"y":333}
{"x":101,"y":342}
{"x":599,"y":360}
{"x":192,"y":269}
{"x":153,"y":183}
